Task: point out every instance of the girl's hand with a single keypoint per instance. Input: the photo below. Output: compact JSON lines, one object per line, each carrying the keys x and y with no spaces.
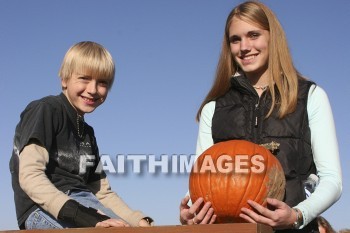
{"x":197,"y":213}
{"x":278,"y":215}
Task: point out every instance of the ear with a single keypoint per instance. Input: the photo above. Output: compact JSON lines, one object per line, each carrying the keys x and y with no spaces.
{"x":64,"y":83}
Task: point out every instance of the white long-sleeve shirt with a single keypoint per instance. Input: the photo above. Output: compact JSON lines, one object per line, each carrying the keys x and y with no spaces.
{"x":324,"y":146}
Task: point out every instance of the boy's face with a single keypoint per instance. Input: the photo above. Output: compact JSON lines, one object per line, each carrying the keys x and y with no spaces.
{"x":84,"y":92}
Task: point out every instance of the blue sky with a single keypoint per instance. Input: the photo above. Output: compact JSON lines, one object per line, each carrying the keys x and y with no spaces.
{"x":166,"y":54}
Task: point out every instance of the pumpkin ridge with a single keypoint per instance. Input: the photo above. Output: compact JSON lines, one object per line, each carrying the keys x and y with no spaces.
{"x":228,"y":193}
{"x":261,"y":195}
{"x":273,"y":179}
{"x":278,"y":183}
{"x":245,"y":190}
{"x":244,"y":195}
{"x":257,"y":198}
{"x":201,"y":184}
{"x":219,"y":192}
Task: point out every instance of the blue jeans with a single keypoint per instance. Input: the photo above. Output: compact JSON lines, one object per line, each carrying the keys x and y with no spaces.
{"x":40,"y":219}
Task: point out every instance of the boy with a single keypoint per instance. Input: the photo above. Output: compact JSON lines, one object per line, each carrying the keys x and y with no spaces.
{"x":52,"y":187}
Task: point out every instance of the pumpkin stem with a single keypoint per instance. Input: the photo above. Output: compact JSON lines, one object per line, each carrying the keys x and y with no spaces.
{"x":272,"y":146}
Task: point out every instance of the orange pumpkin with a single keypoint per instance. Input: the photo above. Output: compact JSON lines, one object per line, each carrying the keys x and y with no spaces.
{"x":232,"y":172}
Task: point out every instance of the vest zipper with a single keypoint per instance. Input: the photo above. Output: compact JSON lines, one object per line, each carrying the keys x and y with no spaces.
{"x":255,"y":121}
{"x":255,"y":113}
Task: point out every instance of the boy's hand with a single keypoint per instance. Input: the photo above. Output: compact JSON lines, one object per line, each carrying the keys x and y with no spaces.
{"x":80,"y":216}
{"x":144,"y":223}
{"x":112,"y":223}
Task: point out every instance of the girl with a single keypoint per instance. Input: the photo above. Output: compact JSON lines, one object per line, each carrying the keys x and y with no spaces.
{"x":259,"y":96}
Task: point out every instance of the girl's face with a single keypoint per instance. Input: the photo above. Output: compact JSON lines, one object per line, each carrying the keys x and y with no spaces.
{"x":84,"y":92}
{"x":249,"y":47}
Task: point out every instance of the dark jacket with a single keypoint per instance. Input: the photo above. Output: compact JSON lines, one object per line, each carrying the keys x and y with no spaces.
{"x":52,"y":123}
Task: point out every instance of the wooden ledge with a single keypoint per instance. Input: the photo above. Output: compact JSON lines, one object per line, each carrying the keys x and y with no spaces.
{"x":215,"y":228}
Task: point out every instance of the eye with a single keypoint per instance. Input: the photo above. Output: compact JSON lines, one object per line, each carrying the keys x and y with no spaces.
{"x":235,"y":39}
{"x":84,"y":78}
{"x":254,"y":35}
{"x":103,"y":83}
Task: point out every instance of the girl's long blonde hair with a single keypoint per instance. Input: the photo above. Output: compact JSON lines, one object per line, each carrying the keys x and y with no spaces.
{"x":283,"y":82}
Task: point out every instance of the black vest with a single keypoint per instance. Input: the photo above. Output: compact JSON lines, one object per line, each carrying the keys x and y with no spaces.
{"x":241,"y":114}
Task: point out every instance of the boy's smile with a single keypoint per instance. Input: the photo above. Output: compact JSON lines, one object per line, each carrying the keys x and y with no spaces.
{"x":84,"y":92}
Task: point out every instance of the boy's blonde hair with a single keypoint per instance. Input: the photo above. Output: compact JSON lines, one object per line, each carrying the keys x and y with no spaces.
{"x":88,"y":58}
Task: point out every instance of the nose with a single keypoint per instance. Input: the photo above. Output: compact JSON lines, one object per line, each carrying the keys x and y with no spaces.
{"x":92,"y":87}
{"x":245,"y":45}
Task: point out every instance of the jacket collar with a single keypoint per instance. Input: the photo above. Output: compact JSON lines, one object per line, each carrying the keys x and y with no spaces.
{"x":72,"y":113}
{"x":241,"y":83}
